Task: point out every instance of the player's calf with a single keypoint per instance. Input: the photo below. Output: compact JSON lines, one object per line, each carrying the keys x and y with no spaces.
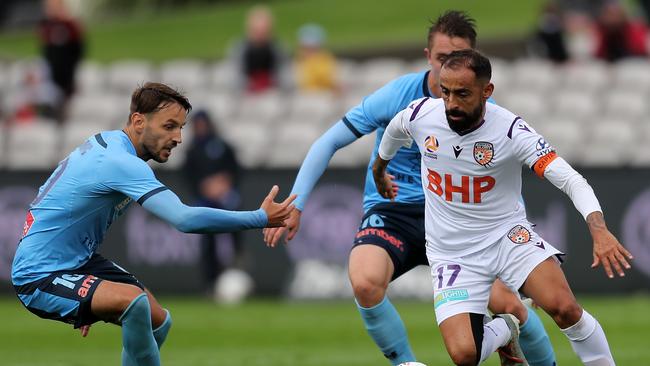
{"x":160,"y":333}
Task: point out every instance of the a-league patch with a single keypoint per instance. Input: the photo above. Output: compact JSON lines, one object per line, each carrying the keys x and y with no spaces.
{"x":519,"y":235}
{"x":446,"y":296}
{"x":483,"y":152}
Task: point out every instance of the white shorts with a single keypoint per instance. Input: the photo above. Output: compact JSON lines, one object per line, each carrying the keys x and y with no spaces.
{"x":463,"y":284}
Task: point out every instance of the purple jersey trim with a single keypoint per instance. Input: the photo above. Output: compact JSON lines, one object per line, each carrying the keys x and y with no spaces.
{"x":417,"y":109}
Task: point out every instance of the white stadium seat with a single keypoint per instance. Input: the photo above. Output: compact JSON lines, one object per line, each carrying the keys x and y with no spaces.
{"x":223,"y":76}
{"x":221,"y":106}
{"x":91,"y":78}
{"x":527,"y":104}
{"x":126,"y":76}
{"x":574,"y":104}
{"x":252,"y":141}
{"x":534,"y":74}
{"x":291,"y":143}
{"x":375,"y":73}
{"x":609,"y":142}
{"x":264,"y":107}
{"x":314,"y":108}
{"x":187,"y":75}
{"x":626,"y":103}
{"x":102,"y":108}
{"x":632,"y":74}
{"x":349,"y":75}
{"x":587,"y":77}
{"x":33,"y":145}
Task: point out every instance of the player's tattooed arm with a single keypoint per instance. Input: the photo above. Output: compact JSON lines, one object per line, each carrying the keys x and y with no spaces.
{"x":383,"y":181}
{"x":607,"y":251}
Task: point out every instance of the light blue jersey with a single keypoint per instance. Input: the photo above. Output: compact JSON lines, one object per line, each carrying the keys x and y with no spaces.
{"x":89,"y":189}
{"x":374,"y":113}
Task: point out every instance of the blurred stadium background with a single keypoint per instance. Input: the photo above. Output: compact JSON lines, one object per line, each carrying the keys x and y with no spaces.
{"x":300,"y":310}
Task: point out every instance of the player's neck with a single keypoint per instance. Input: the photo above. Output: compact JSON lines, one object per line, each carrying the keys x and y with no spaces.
{"x":434,"y":89}
{"x":140,"y":151}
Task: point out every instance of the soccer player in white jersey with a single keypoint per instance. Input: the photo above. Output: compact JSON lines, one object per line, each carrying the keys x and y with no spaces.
{"x":476,"y":226}
{"x":391,"y":239}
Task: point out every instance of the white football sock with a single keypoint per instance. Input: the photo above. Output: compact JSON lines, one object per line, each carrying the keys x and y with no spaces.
{"x":495,"y":334}
{"x":589,"y":342}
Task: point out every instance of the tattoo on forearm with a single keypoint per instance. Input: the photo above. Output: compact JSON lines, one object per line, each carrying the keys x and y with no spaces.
{"x":595,"y":220}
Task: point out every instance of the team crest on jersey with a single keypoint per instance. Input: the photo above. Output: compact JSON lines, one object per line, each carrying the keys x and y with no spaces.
{"x":431,"y":145}
{"x":483,"y":152}
{"x":519,"y":235}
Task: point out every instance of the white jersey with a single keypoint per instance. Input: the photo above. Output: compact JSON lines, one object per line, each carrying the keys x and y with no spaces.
{"x":472,"y":182}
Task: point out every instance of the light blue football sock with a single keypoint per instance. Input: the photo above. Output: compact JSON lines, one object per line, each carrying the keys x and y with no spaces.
{"x":160,"y":333}
{"x":534,"y":341}
{"x":139,"y":344}
{"x":386,"y":328}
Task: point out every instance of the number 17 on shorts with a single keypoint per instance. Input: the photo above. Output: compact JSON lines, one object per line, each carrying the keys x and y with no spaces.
{"x":444,"y":278}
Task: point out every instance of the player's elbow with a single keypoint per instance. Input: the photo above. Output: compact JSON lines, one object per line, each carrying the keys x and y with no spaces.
{"x":186,"y":225}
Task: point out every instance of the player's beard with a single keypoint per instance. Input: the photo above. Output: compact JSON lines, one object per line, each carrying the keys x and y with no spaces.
{"x":467,"y":122}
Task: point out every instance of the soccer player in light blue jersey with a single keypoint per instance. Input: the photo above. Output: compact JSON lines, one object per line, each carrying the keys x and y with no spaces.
{"x":57,"y":272}
{"x":391,"y":238}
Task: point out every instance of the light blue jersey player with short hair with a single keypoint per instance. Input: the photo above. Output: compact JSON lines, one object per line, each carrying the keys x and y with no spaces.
{"x":391,"y":238}
{"x":57,"y":272}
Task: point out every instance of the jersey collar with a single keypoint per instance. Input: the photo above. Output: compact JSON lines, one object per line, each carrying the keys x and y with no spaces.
{"x":425,"y":85}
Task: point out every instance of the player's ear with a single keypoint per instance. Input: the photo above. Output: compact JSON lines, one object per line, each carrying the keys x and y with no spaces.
{"x":427,"y":54}
{"x":488,"y":90}
{"x":137,"y":120}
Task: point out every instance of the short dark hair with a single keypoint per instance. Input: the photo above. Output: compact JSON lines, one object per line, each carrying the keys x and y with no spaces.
{"x":152,"y":97}
{"x":472,"y":60}
{"x":454,"y":23}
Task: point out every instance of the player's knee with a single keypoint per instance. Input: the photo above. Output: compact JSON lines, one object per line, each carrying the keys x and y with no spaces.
{"x":565,"y":312}
{"x":126,"y":295}
{"x":367,"y":292}
{"x":515,"y":307}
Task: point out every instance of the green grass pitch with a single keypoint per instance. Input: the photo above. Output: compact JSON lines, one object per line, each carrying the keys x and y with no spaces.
{"x":276,"y":333}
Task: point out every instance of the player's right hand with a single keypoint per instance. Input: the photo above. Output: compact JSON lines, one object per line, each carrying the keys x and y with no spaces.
{"x":273,"y":235}
{"x":277,"y":213}
{"x":386,"y":187}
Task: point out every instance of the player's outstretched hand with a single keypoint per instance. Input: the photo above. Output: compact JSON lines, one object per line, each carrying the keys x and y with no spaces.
{"x":277,"y":213}
{"x":608,"y":251}
{"x":273,"y":235}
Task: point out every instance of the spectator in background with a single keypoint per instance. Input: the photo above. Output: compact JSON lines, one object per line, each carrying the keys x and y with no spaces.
{"x":549,"y":37}
{"x":259,"y":57}
{"x":213,"y":173}
{"x":36,"y":96}
{"x":62,"y":47}
{"x":618,"y":36}
{"x":315,"y":65}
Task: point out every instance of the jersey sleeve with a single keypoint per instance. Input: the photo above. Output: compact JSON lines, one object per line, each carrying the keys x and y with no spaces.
{"x":375,"y":111}
{"x":132,"y":177}
{"x":530,"y":147}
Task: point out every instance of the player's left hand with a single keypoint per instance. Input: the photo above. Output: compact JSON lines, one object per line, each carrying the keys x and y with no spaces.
{"x":609,"y":252}
{"x":84,"y":329}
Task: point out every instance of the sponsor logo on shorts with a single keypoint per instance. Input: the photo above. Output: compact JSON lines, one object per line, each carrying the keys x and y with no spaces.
{"x":519,"y":235}
{"x":483,"y":152}
{"x":382,"y":234}
{"x":85,"y":285}
{"x":446,"y":296}
{"x":431,"y":145}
